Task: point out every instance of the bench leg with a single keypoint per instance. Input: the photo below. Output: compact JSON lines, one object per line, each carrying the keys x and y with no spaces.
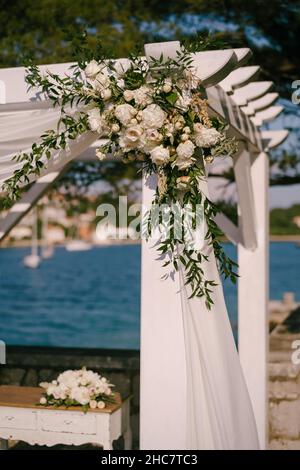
{"x":107,"y":445}
{"x":128,"y":439}
{"x":3,"y":444}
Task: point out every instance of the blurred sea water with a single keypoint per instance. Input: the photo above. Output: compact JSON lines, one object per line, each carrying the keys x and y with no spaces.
{"x":92,"y":298}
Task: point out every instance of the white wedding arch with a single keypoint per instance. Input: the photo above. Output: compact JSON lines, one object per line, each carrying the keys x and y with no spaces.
{"x":236,"y":96}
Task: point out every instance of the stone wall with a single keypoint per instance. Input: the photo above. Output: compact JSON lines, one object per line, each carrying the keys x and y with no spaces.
{"x":29,"y":365}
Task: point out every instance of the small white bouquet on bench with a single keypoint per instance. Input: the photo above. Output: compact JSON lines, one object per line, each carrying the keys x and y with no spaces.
{"x":78,"y":388}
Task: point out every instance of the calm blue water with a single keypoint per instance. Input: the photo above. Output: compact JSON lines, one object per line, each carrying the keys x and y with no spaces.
{"x":91,"y":299}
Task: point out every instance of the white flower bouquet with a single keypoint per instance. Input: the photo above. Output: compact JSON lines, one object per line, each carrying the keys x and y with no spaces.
{"x":78,"y":388}
{"x":155,"y":113}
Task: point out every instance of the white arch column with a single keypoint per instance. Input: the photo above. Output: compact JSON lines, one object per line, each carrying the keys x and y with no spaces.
{"x":253,"y":296}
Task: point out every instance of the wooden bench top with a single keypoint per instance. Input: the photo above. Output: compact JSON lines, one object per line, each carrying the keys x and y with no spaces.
{"x":29,"y":397}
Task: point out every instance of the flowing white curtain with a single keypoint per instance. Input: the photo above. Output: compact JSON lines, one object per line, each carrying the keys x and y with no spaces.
{"x":19,"y":129}
{"x":219,"y":411}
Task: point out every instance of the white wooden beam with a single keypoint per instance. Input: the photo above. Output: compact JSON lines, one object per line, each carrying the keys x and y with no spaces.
{"x":232,"y":232}
{"x":266,"y":115}
{"x":239,"y":77}
{"x":250,"y":92}
{"x":253,"y":297}
{"x":244,"y":185}
{"x":27,"y":202}
{"x":262,"y":103}
{"x":272,"y":139}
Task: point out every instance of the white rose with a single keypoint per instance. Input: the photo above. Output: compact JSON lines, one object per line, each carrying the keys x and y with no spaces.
{"x":142,"y":95}
{"x":131,"y":139}
{"x":185,"y":150}
{"x":95,"y":120}
{"x":121,"y":66}
{"x":153,"y":138}
{"x":101,"y":405}
{"x":43,"y":401}
{"x":124,"y":113}
{"x":153,"y":116}
{"x":206,"y":136}
{"x":81,"y":395}
{"x":183,"y":101}
{"x":101,"y":81}
{"x":128,"y":95}
{"x":183,"y":164}
{"x":44,"y":385}
{"x":92,"y":69}
{"x":106,"y":94}
{"x":160,"y":155}
{"x":93,"y":404}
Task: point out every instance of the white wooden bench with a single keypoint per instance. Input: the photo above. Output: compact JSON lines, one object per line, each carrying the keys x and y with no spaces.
{"x":22,"y":419}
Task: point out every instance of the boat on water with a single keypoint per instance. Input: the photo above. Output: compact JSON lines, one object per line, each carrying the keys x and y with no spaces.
{"x":32,"y":261}
{"x":78,"y":245}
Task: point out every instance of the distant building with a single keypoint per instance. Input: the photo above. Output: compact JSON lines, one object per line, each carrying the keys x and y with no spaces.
{"x":55,"y":235}
{"x":20,"y":232}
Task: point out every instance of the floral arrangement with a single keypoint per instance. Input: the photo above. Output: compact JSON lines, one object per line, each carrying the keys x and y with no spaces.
{"x":78,"y":388}
{"x":151,"y":111}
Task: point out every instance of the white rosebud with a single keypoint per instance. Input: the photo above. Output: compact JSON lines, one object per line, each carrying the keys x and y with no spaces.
{"x":184,"y":137}
{"x":93,"y":404}
{"x":178,"y":125}
{"x":160,"y":155}
{"x":128,"y":95}
{"x":92,"y":69}
{"x":101,"y":156}
{"x":186,"y":130}
{"x":43,"y":401}
{"x":106,"y":94}
{"x":115,"y":128}
{"x":101,"y":405}
{"x":167,"y":88}
{"x":133,"y":121}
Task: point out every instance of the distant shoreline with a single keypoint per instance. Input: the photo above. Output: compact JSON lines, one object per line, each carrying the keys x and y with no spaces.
{"x":27,"y":243}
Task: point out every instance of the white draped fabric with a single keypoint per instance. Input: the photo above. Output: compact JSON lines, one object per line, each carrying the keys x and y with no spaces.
{"x":20,"y":129}
{"x":219,"y":411}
